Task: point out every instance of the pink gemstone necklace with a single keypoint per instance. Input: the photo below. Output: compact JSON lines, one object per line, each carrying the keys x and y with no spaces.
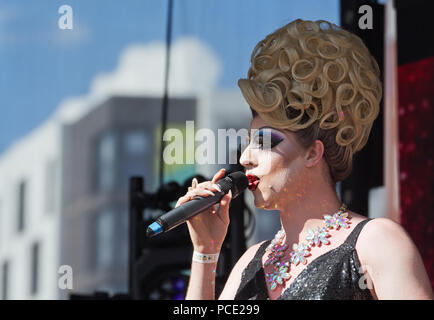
{"x":301,"y":250}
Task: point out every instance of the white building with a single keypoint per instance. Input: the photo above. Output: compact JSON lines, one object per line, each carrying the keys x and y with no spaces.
{"x":29,"y":215}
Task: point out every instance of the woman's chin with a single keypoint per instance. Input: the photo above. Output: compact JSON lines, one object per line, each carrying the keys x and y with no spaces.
{"x":258,"y":200}
{"x":267,"y":200}
{"x":265,"y":206}
{"x":262,"y":203}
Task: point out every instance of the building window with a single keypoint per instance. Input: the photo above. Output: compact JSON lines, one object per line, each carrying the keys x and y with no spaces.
{"x":106,"y":162}
{"x":21,"y":206}
{"x":35,"y":256}
{"x":104,"y":232}
{"x":120,"y":155}
{"x":50,"y":186}
{"x":5,"y":280}
{"x":136,"y":147}
{"x":135,"y":143}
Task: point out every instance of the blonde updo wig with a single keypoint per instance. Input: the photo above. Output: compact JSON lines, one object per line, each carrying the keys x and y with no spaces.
{"x":319,"y":81}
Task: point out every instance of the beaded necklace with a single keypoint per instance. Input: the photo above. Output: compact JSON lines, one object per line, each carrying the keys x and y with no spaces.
{"x":300,"y":250}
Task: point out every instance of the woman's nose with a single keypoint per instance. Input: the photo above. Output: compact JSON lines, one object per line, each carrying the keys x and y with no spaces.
{"x":247,"y":158}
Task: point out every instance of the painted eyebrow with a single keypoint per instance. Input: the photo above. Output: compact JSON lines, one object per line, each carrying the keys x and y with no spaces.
{"x":264,"y":127}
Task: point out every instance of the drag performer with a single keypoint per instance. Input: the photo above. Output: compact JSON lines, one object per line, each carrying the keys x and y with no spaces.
{"x":314,"y":92}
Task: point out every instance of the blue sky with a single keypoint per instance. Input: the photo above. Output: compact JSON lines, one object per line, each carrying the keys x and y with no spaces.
{"x":40,"y":65}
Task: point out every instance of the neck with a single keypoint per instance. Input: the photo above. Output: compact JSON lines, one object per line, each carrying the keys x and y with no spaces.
{"x":307,"y":211}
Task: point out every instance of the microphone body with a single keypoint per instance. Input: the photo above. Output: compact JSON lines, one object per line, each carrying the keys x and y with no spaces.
{"x":237,"y":182}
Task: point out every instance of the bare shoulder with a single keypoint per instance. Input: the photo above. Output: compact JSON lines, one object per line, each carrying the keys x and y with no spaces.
{"x":384,"y":243}
{"x":385,"y":232}
{"x":248,"y":256}
{"x":389,"y":255}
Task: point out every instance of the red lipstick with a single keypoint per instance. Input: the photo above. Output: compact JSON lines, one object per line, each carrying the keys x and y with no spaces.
{"x":253,"y":181}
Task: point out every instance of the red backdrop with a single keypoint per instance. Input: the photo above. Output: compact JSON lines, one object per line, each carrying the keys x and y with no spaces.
{"x":416,"y":145}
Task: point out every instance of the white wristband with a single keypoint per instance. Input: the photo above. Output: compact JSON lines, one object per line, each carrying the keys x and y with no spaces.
{"x":205,"y":257}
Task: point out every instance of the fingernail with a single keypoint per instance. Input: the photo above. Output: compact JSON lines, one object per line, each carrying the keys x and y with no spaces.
{"x":209,"y":192}
{"x":217,"y":187}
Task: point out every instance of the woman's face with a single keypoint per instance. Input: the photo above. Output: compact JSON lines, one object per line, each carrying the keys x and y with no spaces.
{"x":276,"y":158}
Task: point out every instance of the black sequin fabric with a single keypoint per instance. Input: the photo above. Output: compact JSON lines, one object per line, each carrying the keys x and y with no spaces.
{"x":334,"y":275}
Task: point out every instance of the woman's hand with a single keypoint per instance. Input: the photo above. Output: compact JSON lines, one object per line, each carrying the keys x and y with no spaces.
{"x":208,"y":229}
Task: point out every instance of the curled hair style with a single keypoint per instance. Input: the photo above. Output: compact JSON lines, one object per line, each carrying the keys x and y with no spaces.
{"x":319,"y":81}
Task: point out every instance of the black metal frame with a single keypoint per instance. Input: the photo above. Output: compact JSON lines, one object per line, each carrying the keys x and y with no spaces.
{"x":174,"y":248}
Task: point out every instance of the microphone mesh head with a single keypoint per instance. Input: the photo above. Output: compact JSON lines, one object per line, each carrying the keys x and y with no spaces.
{"x":239,"y":183}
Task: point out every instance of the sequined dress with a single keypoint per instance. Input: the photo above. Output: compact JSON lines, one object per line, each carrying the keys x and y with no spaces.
{"x":333,"y":275}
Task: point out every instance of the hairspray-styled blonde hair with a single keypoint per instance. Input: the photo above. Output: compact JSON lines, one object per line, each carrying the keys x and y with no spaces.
{"x":319,"y":81}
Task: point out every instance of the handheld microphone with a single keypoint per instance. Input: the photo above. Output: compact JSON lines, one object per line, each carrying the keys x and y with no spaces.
{"x":237,"y":182}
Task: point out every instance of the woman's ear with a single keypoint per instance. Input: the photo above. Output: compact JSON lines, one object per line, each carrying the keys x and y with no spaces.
{"x":314,"y":154}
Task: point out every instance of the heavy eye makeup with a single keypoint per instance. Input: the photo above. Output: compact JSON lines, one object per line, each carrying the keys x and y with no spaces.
{"x":265,"y":138}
